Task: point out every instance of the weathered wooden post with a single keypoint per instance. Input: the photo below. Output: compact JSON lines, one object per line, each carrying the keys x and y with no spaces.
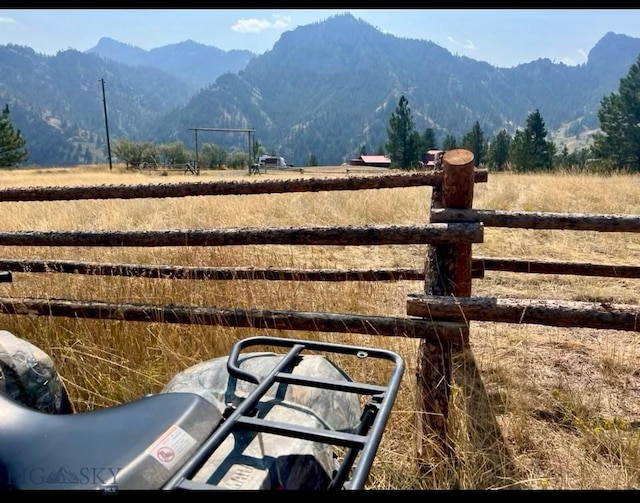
{"x":447,"y":272}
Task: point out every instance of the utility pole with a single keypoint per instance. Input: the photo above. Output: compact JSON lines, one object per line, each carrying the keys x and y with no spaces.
{"x":106,"y":123}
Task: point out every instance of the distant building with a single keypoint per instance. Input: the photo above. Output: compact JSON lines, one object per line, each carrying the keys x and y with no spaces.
{"x":378,"y":161}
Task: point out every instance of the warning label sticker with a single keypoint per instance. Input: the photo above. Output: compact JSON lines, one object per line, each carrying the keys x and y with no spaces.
{"x":172,"y":446}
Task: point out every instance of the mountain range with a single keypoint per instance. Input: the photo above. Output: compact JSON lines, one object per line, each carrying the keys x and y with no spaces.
{"x":326,"y":89}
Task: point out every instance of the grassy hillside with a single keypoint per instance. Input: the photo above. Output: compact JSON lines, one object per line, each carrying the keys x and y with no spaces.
{"x":558,"y":409}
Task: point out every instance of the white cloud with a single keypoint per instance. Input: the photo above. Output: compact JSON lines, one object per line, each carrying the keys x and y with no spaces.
{"x":569,"y":61}
{"x":253,"y":25}
{"x":467,"y":44}
{"x":281,"y":21}
{"x":7,"y":20}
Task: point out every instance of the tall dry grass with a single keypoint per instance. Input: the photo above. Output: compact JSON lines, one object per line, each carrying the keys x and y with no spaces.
{"x":531,"y":406}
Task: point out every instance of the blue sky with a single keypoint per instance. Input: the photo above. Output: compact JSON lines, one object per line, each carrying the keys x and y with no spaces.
{"x":501,"y":37}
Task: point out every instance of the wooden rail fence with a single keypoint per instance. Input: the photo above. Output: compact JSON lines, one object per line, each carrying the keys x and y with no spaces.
{"x":440,"y":316}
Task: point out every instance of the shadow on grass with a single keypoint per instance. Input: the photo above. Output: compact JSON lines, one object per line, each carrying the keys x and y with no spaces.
{"x":491,"y":460}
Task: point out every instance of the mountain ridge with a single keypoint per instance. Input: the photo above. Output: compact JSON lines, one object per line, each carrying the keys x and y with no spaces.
{"x":181,"y":59}
{"x":326,"y":89}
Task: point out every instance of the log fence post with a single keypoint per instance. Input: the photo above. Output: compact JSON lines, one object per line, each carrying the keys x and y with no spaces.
{"x":447,"y":273}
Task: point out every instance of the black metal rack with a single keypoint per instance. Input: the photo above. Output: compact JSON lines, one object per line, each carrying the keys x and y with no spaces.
{"x":360,"y":445}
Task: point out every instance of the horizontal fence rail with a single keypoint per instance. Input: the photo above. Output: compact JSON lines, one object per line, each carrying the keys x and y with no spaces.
{"x":224,"y":188}
{"x":212,"y":273}
{"x":557,"y":313}
{"x":234,"y":317}
{"x":479,"y":266}
{"x":540,"y":220}
{"x":552,"y":267}
{"x":440,"y":233}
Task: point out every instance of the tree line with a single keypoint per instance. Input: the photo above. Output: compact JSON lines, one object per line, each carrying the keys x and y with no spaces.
{"x":615,"y":146}
{"x":527,"y":150}
{"x":209,"y":156}
{"x":137,"y":154}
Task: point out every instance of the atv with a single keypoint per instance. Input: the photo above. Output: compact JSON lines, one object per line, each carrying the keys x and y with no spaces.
{"x":275,"y":413}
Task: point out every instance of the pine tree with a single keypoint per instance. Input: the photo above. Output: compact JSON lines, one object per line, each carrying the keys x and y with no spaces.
{"x":13,"y":148}
{"x":499,"y":150}
{"x":474,"y":141}
{"x":449,"y":142}
{"x":520,"y":153}
{"x":426,"y":141}
{"x":429,"y":140}
{"x":543,"y":150}
{"x":530,"y":149}
{"x":402,"y":139}
{"x":619,"y":117}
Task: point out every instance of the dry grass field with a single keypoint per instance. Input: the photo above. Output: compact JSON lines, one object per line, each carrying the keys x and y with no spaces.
{"x":552,"y":408}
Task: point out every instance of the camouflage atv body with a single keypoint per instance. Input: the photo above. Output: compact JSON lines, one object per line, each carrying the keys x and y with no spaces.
{"x":250,"y":460}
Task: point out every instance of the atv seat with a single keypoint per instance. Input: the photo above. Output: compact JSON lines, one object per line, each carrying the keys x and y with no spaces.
{"x":137,"y":445}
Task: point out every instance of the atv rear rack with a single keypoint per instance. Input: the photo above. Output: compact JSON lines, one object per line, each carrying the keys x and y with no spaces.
{"x":360,"y":445}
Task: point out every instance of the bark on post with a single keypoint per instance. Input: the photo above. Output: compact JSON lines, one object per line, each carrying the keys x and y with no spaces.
{"x":457,"y":192}
{"x":447,"y":272}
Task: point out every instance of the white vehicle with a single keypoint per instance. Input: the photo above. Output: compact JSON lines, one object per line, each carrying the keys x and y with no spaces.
{"x":271,"y":161}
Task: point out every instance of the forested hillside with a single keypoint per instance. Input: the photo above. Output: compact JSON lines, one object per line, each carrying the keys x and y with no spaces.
{"x":326,"y":89}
